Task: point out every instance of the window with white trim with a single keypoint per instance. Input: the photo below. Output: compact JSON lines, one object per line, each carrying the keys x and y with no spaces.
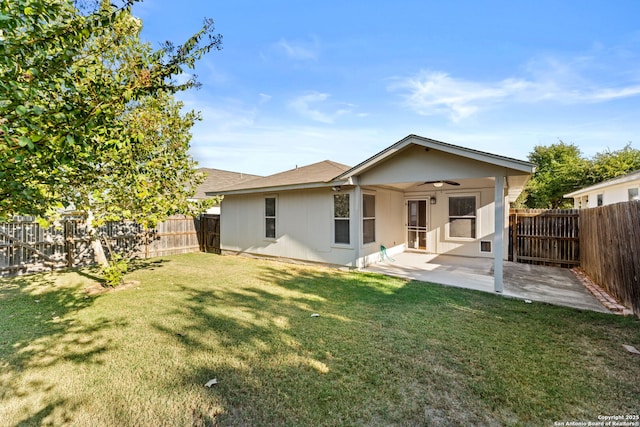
{"x":600,"y":200}
{"x":462,"y":217}
{"x":633,"y":194}
{"x":368,"y":218}
{"x":270,"y":217}
{"x":341,"y":219}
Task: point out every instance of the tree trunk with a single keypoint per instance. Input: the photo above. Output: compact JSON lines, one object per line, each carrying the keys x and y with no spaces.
{"x":98,"y":251}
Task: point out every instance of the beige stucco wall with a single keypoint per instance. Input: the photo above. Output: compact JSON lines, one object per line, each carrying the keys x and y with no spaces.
{"x":303,"y":227}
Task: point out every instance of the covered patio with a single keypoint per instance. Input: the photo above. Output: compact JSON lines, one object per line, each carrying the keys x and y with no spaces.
{"x":552,"y":285}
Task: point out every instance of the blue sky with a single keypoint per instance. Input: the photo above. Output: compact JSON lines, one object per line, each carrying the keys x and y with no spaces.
{"x":299,"y":82}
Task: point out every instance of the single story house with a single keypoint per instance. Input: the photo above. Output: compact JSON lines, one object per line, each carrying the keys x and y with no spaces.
{"x":419,"y":194}
{"x":215,"y":180}
{"x":620,"y":189}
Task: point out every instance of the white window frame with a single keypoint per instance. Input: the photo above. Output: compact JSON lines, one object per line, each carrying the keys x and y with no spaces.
{"x":265,"y":217}
{"x":635,"y":196}
{"x":369,"y":218}
{"x":476,"y":217}
{"x":349,"y":219}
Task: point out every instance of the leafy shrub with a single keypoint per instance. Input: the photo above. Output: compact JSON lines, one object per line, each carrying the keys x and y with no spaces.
{"x":114,"y":273}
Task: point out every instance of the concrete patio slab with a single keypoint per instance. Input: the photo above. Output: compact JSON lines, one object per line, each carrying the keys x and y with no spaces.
{"x":552,"y":285}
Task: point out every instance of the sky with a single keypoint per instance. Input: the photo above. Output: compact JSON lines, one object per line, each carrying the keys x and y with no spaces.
{"x":298,"y":82}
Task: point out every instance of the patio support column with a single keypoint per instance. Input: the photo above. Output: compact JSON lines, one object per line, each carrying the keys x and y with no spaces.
{"x":498,"y":247}
{"x":357,"y":226}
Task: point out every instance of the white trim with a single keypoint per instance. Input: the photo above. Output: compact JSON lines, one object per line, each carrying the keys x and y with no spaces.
{"x":333,"y":221}
{"x":447,"y":225}
{"x":265,"y":217}
{"x":374,"y":217}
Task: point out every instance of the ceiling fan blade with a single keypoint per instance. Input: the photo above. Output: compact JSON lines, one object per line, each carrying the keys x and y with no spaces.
{"x":443,"y":181}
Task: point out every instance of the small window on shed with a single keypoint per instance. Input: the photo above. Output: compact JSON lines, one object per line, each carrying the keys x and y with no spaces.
{"x":633,"y":194}
{"x":600,"y":200}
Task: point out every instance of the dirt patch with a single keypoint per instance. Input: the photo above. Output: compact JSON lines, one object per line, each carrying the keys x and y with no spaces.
{"x":100,"y":289}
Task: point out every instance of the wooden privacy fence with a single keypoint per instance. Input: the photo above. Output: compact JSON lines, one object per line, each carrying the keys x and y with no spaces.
{"x":610,"y":255}
{"x":27,"y":247}
{"x":545,"y":236}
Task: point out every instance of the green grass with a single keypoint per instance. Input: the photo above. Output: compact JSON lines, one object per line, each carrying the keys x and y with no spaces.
{"x":384,"y":351}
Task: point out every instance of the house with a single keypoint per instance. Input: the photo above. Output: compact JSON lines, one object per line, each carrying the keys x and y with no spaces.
{"x":621,"y":189}
{"x":418,"y":194}
{"x":217,"y":179}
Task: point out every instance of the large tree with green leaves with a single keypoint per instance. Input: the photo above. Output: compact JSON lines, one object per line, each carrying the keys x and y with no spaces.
{"x":609,"y":164}
{"x":561,"y":169}
{"x":70,"y":82}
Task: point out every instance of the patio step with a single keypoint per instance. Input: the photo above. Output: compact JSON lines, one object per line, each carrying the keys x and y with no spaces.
{"x":601,"y":295}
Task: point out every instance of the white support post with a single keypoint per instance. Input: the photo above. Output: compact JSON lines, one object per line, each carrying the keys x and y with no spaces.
{"x":498,"y":235}
{"x":357,"y":225}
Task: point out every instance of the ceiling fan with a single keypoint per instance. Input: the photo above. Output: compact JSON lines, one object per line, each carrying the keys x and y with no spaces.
{"x":440,"y":183}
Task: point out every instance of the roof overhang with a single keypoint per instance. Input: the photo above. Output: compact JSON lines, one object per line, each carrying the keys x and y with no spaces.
{"x":516,"y":166}
{"x":273,"y":189}
{"x":633,"y":176}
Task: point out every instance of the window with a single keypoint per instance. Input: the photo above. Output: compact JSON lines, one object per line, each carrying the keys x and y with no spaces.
{"x":462,"y":217}
{"x":633,"y":194}
{"x":368,"y":218}
{"x":270,"y":217}
{"x":341,"y":219}
{"x":600,"y":202}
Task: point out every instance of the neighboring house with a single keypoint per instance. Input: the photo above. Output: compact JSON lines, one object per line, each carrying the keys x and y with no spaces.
{"x":419,"y":194}
{"x":621,"y":189}
{"x":216,"y":180}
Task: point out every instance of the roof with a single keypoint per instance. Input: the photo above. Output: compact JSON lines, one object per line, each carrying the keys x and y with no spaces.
{"x":217,"y":179}
{"x":328,"y":173}
{"x":508,"y":162}
{"x":315,"y":175}
{"x":631,"y":176}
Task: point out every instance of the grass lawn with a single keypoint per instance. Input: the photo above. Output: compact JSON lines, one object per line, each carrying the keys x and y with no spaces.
{"x":383,"y":351}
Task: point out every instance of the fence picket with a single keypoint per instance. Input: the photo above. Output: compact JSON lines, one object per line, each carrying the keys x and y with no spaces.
{"x":25,"y":247}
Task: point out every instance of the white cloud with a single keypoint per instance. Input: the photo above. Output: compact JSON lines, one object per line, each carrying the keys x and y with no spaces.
{"x":307,"y":106}
{"x":298,"y":50}
{"x":547,"y":80}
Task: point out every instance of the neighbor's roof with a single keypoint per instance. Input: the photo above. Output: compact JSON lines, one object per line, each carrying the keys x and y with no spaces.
{"x":623,"y":179}
{"x":217,"y":179}
{"x":507,"y":162}
{"x":315,"y":175}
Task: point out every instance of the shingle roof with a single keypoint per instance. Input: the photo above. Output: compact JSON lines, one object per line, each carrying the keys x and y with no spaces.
{"x":217,"y":179}
{"x":320,"y":172}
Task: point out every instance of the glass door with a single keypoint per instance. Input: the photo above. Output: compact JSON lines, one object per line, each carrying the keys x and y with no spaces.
{"x":417,"y":224}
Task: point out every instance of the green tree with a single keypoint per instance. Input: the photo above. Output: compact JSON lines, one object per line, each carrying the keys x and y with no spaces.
{"x":68,"y":80}
{"x":610,"y":164}
{"x":560,"y":169}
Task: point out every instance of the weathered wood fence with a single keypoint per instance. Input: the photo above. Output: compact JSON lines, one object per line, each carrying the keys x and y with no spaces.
{"x":27,"y":247}
{"x":545,"y":237}
{"x":610,"y":250}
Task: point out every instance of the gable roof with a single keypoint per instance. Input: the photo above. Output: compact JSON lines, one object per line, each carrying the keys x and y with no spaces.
{"x":217,"y":179}
{"x":315,"y":175}
{"x":631,"y":176}
{"x":507,"y":162}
